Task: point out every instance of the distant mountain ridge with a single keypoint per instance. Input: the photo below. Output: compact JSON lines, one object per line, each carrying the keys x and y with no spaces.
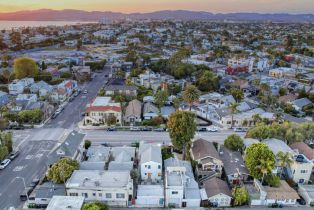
{"x":80,"y":15}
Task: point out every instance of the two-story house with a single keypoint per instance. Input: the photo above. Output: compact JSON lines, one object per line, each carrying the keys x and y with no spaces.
{"x":112,"y":187}
{"x":207,"y":157}
{"x":150,"y":162}
{"x":100,"y":110}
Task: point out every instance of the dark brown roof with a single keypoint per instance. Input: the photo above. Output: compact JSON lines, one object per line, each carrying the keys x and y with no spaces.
{"x":304,"y":149}
{"x":216,"y":186}
{"x":202,"y":148}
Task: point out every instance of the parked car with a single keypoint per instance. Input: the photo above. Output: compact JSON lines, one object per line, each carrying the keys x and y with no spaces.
{"x":34,"y":183}
{"x":55,"y":115}
{"x":135,"y":129}
{"x":112,"y":129}
{"x":239,"y":129}
{"x":14,"y":154}
{"x":147,"y":129}
{"x":212,"y":129}
{"x":71,"y":98}
{"x":85,"y":92}
{"x":159,"y":129}
{"x":24,"y":195}
{"x":5,"y":163}
{"x":201,"y":129}
{"x":276,"y":205}
{"x":301,"y":201}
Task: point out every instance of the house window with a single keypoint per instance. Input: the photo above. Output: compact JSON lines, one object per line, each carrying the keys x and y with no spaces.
{"x":145,"y":166}
{"x":174,"y":192}
{"x":100,"y":194}
{"x":94,"y":194}
{"x":73,"y":194}
{"x":85,"y":195}
{"x":159,"y":166}
{"x":120,"y":195}
{"x":148,"y":166}
{"x":108,"y":195}
{"x":303,"y":171}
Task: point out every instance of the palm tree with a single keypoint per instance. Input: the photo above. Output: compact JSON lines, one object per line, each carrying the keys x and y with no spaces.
{"x":190,"y":95}
{"x":265,"y":167}
{"x":233,"y":109}
{"x":284,"y":159}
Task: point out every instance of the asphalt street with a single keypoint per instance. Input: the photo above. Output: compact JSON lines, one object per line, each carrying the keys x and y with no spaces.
{"x":128,"y":137}
{"x":30,"y":164}
{"x":35,"y":145}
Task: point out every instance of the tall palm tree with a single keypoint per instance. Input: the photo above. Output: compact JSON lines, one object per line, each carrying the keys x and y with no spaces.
{"x":265,"y":167}
{"x":284,"y":159}
{"x":190,"y":95}
{"x":233,"y":109}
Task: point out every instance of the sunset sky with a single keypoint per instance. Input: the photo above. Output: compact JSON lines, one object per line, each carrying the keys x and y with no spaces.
{"x":224,"y":6}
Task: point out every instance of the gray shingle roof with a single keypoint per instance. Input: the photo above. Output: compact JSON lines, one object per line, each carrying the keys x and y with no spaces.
{"x":202,"y":148}
{"x":134,"y":108}
{"x":215,"y":186}
{"x":233,"y":162}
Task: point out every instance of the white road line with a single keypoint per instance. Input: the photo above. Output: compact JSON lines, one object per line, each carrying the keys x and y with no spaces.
{"x":23,"y":141}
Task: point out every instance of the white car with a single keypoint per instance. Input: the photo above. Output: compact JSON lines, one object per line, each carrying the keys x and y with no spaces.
{"x":212,"y":129}
{"x":5,"y":163}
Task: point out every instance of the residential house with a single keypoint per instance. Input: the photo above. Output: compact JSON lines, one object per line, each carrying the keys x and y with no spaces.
{"x":304,"y":149}
{"x":166,"y":111}
{"x":69,"y":86}
{"x":299,"y":104}
{"x":26,"y":97}
{"x":218,"y":100}
{"x":4,"y":98}
{"x":299,"y":170}
{"x":44,"y":193}
{"x":181,"y":189}
{"x":150,"y":196}
{"x":70,"y":148}
{"x":127,"y":90}
{"x":42,"y":88}
{"x":207,"y":157}
{"x":150,"y":162}
{"x":216,"y":192}
{"x":234,"y":167}
{"x":112,"y":187}
{"x":122,"y":158}
{"x":282,"y":72}
{"x":100,"y":110}
{"x":82,"y":73}
{"x":133,"y":112}
{"x":265,"y":195}
{"x":18,"y":86}
{"x":150,"y":111}
{"x":66,"y":203}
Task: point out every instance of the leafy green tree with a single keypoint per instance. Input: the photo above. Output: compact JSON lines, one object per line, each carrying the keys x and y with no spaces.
{"x":97,"y":205}
{"x":176,"y":103}
{"x":260,"y":132}
{"x":33,"y":116}
{"x":190,"y":95}
{"x":62,"y":170}
{"x":307,"y":129}
{"x":3,"y":152}
{"x":66,"y":75}
{"x":120,"y":73}
{"x":284,"y":160}
{"x":111,"y":120}
{"x":237,"y":94}
{"x":282,"y":91}
{"x":241,"y":196}
{"x":273,"y":181}
{"x":87,"y":144}
{"x":134,"y":175}
{"x":161,"y":98}
{"x":259,"y":160}
{"x":25,"y":67}
{"x":182,"y":129}
{"x":234,"y":142}
{"x":208,"y":81}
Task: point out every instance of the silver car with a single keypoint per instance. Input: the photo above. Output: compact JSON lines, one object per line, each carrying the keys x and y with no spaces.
{"x":5,"y":163}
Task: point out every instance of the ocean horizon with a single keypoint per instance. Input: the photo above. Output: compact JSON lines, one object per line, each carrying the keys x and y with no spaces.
{"x":8,"y":24}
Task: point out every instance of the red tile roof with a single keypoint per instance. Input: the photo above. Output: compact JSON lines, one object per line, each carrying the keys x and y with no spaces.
{"x":103,"y":109}
{"x":304,"y":149}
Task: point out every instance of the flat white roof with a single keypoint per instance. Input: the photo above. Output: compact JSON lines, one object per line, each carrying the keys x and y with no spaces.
{"x":98,"y":179}
{"x":101,"y":101}
{"x":65,"y":203}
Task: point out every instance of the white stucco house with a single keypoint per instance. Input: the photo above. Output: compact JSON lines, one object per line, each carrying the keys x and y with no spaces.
{"x":150,"y":162}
